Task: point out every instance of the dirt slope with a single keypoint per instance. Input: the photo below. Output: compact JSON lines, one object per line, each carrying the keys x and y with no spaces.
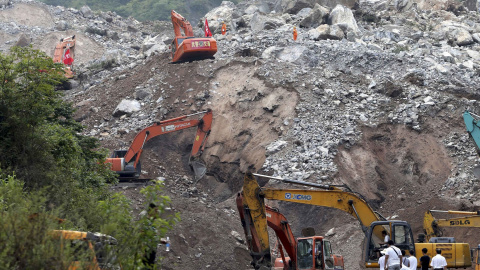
{"x":394,"y":167}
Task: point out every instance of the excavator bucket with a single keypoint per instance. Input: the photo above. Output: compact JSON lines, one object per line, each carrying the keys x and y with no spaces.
{"x":199,"y":168}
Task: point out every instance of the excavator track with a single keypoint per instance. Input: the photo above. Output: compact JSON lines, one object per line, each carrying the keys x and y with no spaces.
{"x":132,"y":183}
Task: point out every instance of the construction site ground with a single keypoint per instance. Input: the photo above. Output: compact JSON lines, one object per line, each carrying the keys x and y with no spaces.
{"x":206,"y":233}
{"x":209,"y":235}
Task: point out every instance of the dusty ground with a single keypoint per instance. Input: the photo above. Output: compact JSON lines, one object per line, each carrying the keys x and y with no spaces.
{"x":28,"y":15}
{"x":386,"y":156}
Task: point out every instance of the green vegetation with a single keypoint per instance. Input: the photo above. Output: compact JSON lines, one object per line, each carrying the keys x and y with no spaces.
{"x":143,"y":10}
{"x":49,"y":170}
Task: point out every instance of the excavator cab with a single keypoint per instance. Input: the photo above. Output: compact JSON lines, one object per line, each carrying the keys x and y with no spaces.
{"x":316,"y":253}
{"x":398,"y":231}
{"x":123,"y":169}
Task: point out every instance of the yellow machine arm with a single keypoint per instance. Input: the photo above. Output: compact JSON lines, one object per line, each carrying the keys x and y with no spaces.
{"x":431,"y":225}
{"x":372,"y":223}
{"x":334,"y":198}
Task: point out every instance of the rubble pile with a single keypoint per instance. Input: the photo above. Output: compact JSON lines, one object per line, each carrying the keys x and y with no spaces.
{"x":354,"y":66}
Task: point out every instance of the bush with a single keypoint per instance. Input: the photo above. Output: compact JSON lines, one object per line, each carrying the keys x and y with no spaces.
{"x":49,"y":170}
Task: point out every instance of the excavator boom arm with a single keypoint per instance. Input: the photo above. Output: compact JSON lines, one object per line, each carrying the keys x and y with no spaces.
{"x":345,"y":201}
{"x":473,"y":127}
{"x":204,"y":126}
{"x":275,"y":220}
{"x":179,"y":23}
{"x":431,"y":224}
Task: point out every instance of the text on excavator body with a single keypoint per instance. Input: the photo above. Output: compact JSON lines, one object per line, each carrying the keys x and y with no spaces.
{"x":299,"y":197}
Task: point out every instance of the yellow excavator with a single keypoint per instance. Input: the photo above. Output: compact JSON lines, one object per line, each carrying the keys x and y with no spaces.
{"x":93,"y":244}
{"x":372,"y":223}
{"x":432,"y":226}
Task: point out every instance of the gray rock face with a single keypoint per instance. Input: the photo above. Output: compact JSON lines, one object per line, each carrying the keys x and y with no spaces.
{"x":126,"y":107}
{"x":463,"y":37}
{"x":292,"y":54}
{"x":326,"y":31}
{"x":317,"y":16}
{"x":4,"y":3}
{"x":262,"y":22}
{"x":403,"y":5}
{"x":23,"y":41}
{"x":61,"y":25}
{"x":294,"y":6}
{"x":276,"y":146}
{"x":333,"y":3}
{"x":86,"y":12}
{"x":218,"y":15}
{"x":343,"y":17}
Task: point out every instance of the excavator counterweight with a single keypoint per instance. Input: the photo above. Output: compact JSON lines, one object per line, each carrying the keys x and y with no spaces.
{"x":127,"y":162}
{"x":187,"y":47}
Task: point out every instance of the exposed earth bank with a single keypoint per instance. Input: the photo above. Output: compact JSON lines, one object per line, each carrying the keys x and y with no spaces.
{"x":376,"y":107}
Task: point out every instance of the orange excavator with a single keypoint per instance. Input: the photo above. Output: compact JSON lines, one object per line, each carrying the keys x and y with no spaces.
{"x":127,"y":162}
{"x":64,"y":53}
{"x":187,"y":47}
{"x":309,"y":252}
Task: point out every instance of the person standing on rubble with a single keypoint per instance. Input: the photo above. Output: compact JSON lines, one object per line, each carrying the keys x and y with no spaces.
{"x":295,"y":33}
{"x":393,"y":258}
{"x":224,"y":28}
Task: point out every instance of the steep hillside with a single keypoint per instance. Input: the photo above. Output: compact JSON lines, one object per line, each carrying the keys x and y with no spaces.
{"x":373,"y":101}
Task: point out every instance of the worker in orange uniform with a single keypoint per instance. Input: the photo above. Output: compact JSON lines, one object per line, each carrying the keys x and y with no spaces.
{"x":224,"y":28}
{"x":295,"y":33}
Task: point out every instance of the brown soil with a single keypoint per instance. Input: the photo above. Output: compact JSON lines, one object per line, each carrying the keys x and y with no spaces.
{"x":398,"y":170}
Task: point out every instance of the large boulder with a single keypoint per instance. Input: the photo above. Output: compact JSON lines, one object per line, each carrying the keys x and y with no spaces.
{"x":403,"y":5}
{"x":293,"y":6}
{"x":292,"y":54}
{"x":218,"y":15}
{"x":326,"y":31}
{"x":155,"y":44}
{"x":333,"y":3}
{"x":461,"y":37}
{"x":86,"y":12}
{"x":4,"y":3}
{"x":343,"y":17}
{"x":23,"y":41}
{"x":263,"y":22}
{"x":126,"y":107}
{"x":61,"y":25}
{"x":317,"y":16}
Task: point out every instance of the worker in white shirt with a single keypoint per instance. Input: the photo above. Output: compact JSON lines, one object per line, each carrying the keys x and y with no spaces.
{"x":381,"y":260}
{"x":439,"y":262}
{"x":393,"y":257}
{"x":413,"y":260}
{"x":385,"y":238}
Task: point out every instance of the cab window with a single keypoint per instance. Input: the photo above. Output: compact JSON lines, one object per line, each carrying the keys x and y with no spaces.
{"x":318,"y":255}
{"x":304,"y":254}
